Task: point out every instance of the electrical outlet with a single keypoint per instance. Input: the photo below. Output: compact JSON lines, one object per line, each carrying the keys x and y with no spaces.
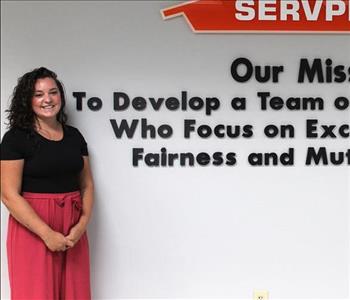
{"x":261,"y":295}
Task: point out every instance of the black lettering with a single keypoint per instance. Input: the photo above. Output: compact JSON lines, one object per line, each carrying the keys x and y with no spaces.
{"x":328,"y":131}
{"x":341,"y":103}
{"x":238,"y":103}
{"x":316,"y":157}
{"x":344,"y":131}
{"x":231,"y":159}
{"x":139,"y":103}
{"x":94,"y":103}
{"x":187,"y":156}
{"x":79,"y":96}
{"x":311,"y":128}
{"x":247,"y":74}
{"x":124,"y":127}
{"x":117,"y":98}
{"x":156,"y":103}
{"x":137,"y":155}
{"x":145,"y":128}
{"x":203,"y":159}
{"x":310,"y":71}
{"x":211,"y":104}
{"x":172,"y":103}
{"x":217,"y":159}
{"x":189,"y":127}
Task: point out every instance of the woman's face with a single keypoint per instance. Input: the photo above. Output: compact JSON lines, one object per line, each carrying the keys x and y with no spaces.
{"x":46,"y":102}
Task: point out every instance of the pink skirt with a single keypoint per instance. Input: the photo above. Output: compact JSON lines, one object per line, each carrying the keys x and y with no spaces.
{"x":35,"y":272}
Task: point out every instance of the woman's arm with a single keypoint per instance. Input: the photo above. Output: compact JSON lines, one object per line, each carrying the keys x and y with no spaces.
{"x":87,"y":194}
{"x":21,"y":210}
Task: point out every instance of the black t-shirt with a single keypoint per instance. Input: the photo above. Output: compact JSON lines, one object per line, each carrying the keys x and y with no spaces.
{"x":49,"y":166}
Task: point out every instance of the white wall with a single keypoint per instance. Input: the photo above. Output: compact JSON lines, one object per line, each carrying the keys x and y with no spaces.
{"x":190,"y":232}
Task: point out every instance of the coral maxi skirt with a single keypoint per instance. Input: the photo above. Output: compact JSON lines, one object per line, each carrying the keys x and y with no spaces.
{"x":37,"y":273}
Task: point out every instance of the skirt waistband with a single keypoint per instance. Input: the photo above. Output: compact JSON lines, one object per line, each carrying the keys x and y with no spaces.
{"x":50,"y":195}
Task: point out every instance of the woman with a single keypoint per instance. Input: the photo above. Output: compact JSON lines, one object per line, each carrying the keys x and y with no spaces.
{"x":47,"y":186}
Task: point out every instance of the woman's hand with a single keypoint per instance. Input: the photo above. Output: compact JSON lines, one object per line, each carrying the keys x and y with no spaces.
{"x":75,"y":234}
{"x":87,"y":194}
{"x":56,"y":241}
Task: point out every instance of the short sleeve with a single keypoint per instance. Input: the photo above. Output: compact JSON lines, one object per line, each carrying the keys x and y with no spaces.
{"x":12,"y":145}
{"x":84,"y":148}
{"x":83,"y":145}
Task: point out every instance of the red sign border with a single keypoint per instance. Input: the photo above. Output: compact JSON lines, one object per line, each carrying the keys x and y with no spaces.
{"x":298,"y":32}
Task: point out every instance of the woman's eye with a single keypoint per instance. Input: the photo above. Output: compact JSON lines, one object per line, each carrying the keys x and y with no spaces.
{"x":38,"y":95}
{"x":53,"y":93}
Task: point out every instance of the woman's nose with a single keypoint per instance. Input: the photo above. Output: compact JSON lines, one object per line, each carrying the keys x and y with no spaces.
{"x":47,"y":98}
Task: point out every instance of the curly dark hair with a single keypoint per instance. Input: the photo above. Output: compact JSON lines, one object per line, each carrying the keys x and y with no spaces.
{"x":20,"y":112}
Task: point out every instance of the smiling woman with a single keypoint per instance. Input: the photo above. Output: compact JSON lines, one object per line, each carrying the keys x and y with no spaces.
{"x":47,"y":99}
{"x":48,"y":189}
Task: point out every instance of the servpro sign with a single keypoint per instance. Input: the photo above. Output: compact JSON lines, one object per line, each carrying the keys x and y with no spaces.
{"x":320,"y":16}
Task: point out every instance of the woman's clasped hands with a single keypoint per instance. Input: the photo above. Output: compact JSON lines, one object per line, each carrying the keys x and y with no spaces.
{"x":56,"y":241}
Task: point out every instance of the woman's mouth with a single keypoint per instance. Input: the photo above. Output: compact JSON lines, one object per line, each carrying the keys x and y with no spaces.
{"x":48,"y":107}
